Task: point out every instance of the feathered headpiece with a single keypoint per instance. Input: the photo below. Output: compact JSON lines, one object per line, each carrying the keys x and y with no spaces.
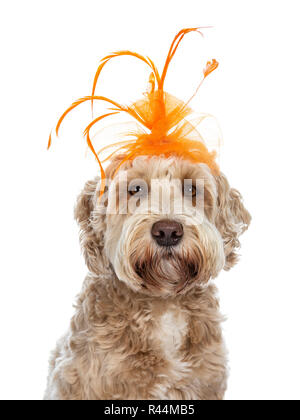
{"x":163,"y":128}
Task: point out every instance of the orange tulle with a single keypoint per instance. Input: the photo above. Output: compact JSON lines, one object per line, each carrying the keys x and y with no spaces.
{"x":163,"y":129}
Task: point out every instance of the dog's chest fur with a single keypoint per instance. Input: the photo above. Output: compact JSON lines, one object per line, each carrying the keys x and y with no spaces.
{"x":170,"y":330}
{"x":128,"y":347}
{"x":168,"y":336}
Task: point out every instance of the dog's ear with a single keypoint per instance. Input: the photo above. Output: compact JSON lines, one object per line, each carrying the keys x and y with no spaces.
{"x":91,"y":219}
{"x":92,"y":227}
{"x":232,"y":219}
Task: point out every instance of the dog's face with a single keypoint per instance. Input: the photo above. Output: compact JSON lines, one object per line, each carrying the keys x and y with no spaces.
{"x":163,"y":226}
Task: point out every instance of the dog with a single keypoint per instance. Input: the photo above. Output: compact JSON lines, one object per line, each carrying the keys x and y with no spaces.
{"x":147,"y":324}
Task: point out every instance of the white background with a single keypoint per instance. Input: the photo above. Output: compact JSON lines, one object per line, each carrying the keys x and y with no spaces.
{"x":49,"y":52}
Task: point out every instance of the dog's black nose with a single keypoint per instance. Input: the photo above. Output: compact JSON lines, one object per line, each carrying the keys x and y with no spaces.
{"x":167,"y":233}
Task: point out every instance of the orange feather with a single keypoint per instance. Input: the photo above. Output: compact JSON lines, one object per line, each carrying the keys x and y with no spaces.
{"x":106,"y":59}
{"x":163,"y":116}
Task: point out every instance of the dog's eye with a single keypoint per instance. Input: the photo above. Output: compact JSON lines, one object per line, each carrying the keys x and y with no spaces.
{"x":135,"y":190}
{"x":189,"y":191}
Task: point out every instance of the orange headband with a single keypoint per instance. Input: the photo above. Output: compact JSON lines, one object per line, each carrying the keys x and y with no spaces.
{"x":163,"y":117}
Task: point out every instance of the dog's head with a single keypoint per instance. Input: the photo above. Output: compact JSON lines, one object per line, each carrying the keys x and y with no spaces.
{"x":163,"y":225}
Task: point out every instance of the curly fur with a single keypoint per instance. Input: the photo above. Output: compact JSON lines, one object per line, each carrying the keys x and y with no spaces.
{"x":147,"y":323}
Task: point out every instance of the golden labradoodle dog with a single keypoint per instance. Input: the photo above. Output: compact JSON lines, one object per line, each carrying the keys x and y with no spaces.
{"x":147,"y":323}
